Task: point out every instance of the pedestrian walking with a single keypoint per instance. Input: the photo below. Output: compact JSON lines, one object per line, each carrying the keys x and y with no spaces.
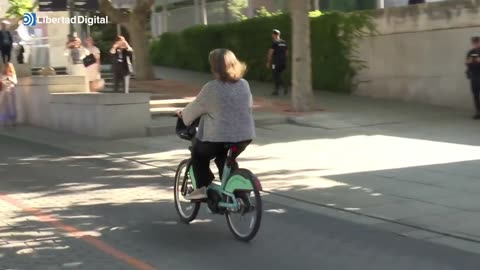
{"x":75,"y":53}
{"x":8,"y":80}
{"x":473,"y":74}
{"x":92,"y":65}
{"x":122,"y":63}
{"x":277,"y":61}
{"x":6,"y":42}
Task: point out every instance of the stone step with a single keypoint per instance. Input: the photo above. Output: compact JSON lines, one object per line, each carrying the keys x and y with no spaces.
{"x":157,"y":96}
{"x":165,"y":111}
{"x":168,"y":103}
{"x":56,"y":68}
{"x":109,"y":77}
{"x":37,"y":73}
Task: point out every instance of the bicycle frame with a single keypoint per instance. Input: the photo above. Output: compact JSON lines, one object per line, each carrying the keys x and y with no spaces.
{"x":222,"y":188}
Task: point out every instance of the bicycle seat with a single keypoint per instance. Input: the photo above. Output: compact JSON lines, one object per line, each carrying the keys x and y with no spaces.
{"x":232,"y":146}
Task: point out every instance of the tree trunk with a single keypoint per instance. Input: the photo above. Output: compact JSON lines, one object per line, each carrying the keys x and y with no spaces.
{"x":139,"y":40}
{"x":203,"y":6}
{"x":302,"y":94}
{"x":250,"y":9}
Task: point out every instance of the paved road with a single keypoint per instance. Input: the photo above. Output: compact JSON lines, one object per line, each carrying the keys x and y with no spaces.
{"x":62,"y":211}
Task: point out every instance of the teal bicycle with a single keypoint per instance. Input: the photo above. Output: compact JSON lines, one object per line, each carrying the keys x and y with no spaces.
{"x":236,"y":195}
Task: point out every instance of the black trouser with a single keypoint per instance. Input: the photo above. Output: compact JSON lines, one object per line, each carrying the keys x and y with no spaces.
{"x":475,"y":84}
{"x":203,"y":152}
{"x":6,"y":53}
{"x":119,"y":79}
{"x":278,"y":82}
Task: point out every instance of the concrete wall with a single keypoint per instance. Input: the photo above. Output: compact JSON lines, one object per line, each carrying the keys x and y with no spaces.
{"x":33,"y":96}
{"x":63,"y":103}
{"x":101,"y":115}
{"x":419,"y":52}
{"x":57,"y":37}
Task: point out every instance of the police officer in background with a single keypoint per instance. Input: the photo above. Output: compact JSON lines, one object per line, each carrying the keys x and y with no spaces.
{"x":6,"y":42}
{"x":277,"y":61}
{"x":473,"y":73}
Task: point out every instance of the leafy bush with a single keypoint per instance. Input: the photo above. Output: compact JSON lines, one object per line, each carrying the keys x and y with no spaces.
{"x":263,"y":12}
{"x":16,"y":8}
{"x":334,"y":46}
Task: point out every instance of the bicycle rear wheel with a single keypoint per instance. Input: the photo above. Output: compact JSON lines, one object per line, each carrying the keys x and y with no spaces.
{"x":245,"y":223}
{"x":187,"y":210}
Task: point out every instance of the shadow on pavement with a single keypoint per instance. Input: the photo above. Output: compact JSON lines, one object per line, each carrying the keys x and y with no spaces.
{"x":129,"y":207}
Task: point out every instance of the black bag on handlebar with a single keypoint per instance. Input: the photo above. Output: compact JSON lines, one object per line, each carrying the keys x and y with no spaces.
{"x":184,"y":132}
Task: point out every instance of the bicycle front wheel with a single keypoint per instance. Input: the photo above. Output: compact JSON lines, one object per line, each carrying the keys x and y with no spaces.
{"x":245,"y":223}
{"x":187,"y":210}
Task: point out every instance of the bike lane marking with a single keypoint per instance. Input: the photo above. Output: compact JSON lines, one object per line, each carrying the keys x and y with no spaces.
{"x":79,"y":234}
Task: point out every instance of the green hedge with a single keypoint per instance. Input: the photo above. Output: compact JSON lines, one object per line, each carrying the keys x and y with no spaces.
{"x":334,"y":40}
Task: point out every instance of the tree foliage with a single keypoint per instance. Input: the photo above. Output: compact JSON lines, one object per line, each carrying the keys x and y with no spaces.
{"x":237,"y":9}
{"x":17,"y":8}
{"x":263,"y":12}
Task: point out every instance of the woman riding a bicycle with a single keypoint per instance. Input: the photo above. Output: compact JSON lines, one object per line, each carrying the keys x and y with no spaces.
{"x":224,"y":106}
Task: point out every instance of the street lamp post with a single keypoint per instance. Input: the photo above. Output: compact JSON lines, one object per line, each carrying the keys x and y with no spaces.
{"x":196,"y":10}
{"x":203,"y":6}
{"x":165,"y":16}
{"x":380,"y":3}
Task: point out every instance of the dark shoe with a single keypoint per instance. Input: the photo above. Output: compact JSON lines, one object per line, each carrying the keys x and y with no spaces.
{"x":275,"y":93}
{"x":476,"y":117}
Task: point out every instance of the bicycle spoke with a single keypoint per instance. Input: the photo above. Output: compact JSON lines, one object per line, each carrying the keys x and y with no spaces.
{"x":183,"y":185}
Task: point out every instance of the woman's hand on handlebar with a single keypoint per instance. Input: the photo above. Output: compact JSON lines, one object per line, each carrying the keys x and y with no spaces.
{"x":179,"y":113}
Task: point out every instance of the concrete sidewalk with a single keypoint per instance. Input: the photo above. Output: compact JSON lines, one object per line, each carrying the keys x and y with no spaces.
{"x":407,"y":168}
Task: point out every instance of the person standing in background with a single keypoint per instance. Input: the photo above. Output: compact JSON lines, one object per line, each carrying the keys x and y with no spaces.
{"x":122,"y":63}
{"x":473,"y":74}
{"x":6,"y":42}
{"x":93,"y":70}
{"x":8,"y":80}
{"x":277,"y":61}
{"x":76,"y":52}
